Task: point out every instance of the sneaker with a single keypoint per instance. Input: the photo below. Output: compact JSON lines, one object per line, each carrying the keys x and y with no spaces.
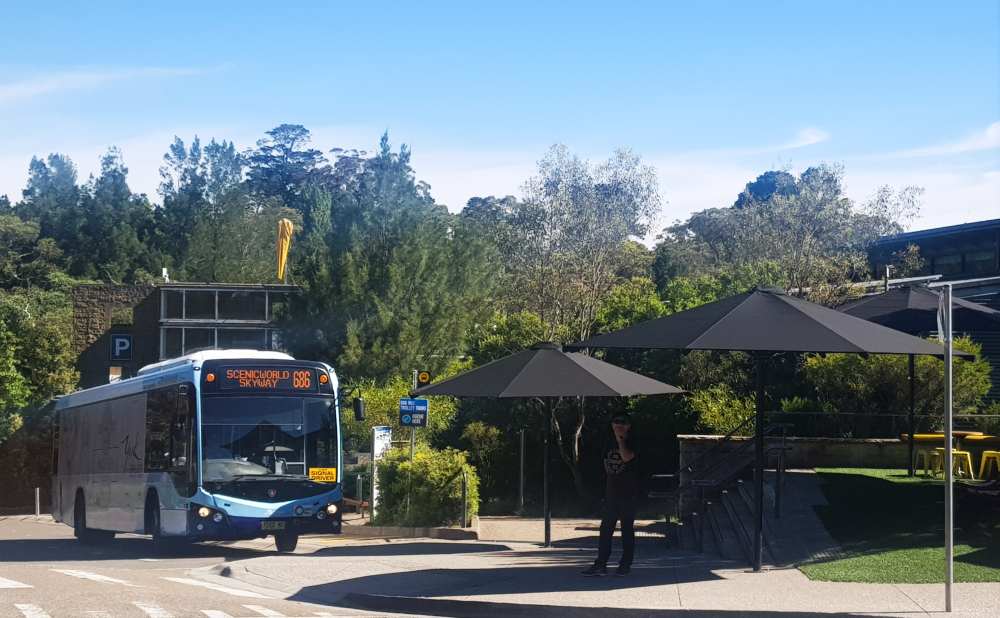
{"x":623,"y":570}
{"x":596,"y":571}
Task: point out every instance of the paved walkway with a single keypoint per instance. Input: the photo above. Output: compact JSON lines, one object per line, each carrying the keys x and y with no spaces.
{"x":455,"y":578}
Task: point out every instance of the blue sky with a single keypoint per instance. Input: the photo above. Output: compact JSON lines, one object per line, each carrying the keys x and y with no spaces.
{"x":710,"y":93}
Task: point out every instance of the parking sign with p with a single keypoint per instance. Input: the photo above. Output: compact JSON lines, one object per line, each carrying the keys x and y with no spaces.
{"x":121,"y":347}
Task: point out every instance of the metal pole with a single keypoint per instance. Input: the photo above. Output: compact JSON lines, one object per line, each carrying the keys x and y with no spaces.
{"x":545,"y":475}
{"x":758,"y":537}
{"x":465,"y":500}
{"x":913,"y":403}
{"x":38,"y":501}
{"x":949,"y":535}
{"x":361,"y":494}
{"x":520,"y":491}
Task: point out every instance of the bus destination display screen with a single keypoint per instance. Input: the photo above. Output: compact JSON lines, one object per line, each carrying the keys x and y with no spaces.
{"x":286,"y":379}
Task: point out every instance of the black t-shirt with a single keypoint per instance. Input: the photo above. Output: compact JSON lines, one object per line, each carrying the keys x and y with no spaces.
{"x":624,"y":477}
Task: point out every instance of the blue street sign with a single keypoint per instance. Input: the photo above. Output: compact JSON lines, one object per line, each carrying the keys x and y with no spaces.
{"x":413,"y":412}
{"x":121,"y":347}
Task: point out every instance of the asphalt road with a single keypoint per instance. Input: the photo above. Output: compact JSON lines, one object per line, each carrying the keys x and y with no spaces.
{"x":46,"y":573}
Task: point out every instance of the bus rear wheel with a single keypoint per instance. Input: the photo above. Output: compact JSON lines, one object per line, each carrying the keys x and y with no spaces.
{"x":286,"y":542}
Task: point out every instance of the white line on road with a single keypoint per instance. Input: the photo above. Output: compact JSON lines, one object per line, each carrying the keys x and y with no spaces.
{"x":31,"y":611}
{"x":94,"y":577}
{"x":211,"y":613}
{"x":10,"y":583}
{"x":263,"y":611}
{"x":152,"y":610}
{"x":236,"y":592}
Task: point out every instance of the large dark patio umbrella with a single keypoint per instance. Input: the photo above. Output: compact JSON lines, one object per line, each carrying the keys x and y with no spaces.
{"x":547,"y":373}
{"x":763,"y":321}
{"x":914,"y":310}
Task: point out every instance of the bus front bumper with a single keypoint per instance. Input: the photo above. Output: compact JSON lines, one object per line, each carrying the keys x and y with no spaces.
{"x":235,"y":528}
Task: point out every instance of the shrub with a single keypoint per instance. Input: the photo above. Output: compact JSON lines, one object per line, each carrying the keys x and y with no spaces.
{"x":720,"y":409}
{"x":433,"y":484}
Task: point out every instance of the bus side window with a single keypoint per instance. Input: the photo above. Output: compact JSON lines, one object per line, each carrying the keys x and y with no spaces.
{"x":182,"y":461}
{"x":158,"y":418}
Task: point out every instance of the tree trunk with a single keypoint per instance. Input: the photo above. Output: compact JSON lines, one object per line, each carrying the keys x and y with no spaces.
{"x":570,"y":453}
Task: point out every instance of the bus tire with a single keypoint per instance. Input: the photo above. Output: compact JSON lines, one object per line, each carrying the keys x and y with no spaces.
{"x":80,"y":529}
{"x":286,"y":542}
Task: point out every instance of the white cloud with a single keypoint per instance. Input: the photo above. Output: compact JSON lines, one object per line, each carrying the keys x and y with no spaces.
{"x":987,"y":139}
{"x":805,"y":137}
{"x":81,"y":79}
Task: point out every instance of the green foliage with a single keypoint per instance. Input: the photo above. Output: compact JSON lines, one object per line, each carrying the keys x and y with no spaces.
{"x":629,"y":303}
{"x":395,"y":282}
{"x":804,"y":224}
{"x":431,"y":484}
{"x":797,"y":404}
{"x":505,"y":334}
{"x":879,"y":383}
{"x":14,"y":390}
{"x":382,"y":409}
{"x":25,"y":260}
{"x":720,"y":409}
{"x":682,"y":293}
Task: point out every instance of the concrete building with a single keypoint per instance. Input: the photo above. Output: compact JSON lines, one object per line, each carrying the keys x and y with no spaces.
{"x":120,"y":328}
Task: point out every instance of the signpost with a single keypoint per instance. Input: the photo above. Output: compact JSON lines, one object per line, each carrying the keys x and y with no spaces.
{"x":381,"y":443}
{"x":413,"y":412}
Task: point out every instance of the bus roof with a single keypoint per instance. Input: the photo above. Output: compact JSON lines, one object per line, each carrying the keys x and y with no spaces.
{"x":204,"y":355}
{"x":168,"y":371}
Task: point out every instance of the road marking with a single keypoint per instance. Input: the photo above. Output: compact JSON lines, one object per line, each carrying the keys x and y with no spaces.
{"x":10,"y":583}
{"x":211,"y":613}
{"x":152,"y":610}
{"x":236,"y":592}
{"x":263,"y":611}
{"x":99,"y":614}
{"x":94,"y":577}
{"x":31,"y":611}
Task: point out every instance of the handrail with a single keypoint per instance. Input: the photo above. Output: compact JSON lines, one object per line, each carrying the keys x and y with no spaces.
{"x":725,"y":439}
{"x":739,"y":450}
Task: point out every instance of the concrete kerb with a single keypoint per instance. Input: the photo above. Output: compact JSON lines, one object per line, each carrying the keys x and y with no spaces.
{"x":402,"y":532}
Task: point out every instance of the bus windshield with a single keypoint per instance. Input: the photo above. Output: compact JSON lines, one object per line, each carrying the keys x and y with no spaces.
{"x":254,"y":436}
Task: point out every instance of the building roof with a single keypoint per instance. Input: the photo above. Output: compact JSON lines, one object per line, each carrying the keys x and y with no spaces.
{"x":964,"y":228}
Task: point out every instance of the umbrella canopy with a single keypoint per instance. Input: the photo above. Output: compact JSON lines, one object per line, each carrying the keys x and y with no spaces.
{"x":914,"y":309}
{"x":765,"y":320}
{"x":546,"y":371}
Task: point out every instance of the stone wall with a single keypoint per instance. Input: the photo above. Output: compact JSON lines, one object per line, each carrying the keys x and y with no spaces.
{"x":104,"y":309}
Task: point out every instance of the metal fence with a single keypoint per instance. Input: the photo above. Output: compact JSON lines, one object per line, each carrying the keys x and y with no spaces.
{"x":861,"y":425}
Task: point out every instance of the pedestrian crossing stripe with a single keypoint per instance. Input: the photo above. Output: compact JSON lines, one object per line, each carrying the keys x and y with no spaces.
{"x":236,"y":592}
{"x":94,"y":577}
{"x":10,"y":583}
{"x":31,"y":611}
{"x":152,"y":610}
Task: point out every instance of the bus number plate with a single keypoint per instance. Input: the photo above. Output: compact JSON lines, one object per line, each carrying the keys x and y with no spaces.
{"x":272,"y":525}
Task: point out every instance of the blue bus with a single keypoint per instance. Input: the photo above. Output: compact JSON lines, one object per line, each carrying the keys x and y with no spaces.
{"x":215,"y":445}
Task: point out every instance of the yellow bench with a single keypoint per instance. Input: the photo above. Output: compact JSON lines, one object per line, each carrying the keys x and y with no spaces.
{"x":988,"y":458}
{"x":961,"y":462}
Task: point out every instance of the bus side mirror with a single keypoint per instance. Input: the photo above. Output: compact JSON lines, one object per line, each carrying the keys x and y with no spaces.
{"x":359,"y":409}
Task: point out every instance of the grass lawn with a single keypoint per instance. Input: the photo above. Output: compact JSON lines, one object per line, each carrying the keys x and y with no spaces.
{"x":891,"y":527}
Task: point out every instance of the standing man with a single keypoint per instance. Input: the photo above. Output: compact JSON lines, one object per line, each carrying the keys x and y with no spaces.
{"x":624,"y":486}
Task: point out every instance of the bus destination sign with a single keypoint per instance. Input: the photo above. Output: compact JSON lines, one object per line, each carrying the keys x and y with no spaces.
{"x":268,"y":379}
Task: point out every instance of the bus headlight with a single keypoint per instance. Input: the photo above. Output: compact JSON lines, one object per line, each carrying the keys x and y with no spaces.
{"x":204,"y":512}
{"x":217,"y":518}
{"x":331,"y":509}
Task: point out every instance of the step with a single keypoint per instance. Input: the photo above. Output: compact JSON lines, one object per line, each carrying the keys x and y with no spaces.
{"x":725,"y":536}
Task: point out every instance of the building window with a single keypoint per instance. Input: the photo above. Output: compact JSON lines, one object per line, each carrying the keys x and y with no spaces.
{"x":947,"y":264}
{"x":278,"y":305}
{"x":115,"y":374}
{"x":173,"y":344}
{"x":243,"y":338}
{"x":243,"y":305}
{"x":199,"y":305}
{"x":980,"y":262}
{"x":173,"y":304}
{"x":196,"y":339}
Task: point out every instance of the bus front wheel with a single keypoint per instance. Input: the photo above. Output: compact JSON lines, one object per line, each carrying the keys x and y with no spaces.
{"x":80,"y":529}
{"x":286,"y":542}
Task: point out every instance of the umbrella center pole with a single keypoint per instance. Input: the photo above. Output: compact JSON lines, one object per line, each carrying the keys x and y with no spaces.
{"x":758,"y":537}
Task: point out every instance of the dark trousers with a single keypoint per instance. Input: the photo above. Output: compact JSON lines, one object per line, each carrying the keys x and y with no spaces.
{"x":615,"y":511}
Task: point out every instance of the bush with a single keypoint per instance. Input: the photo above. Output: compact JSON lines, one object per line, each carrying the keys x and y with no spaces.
{"x":433,"y":482}
{"x":721,"y":410}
